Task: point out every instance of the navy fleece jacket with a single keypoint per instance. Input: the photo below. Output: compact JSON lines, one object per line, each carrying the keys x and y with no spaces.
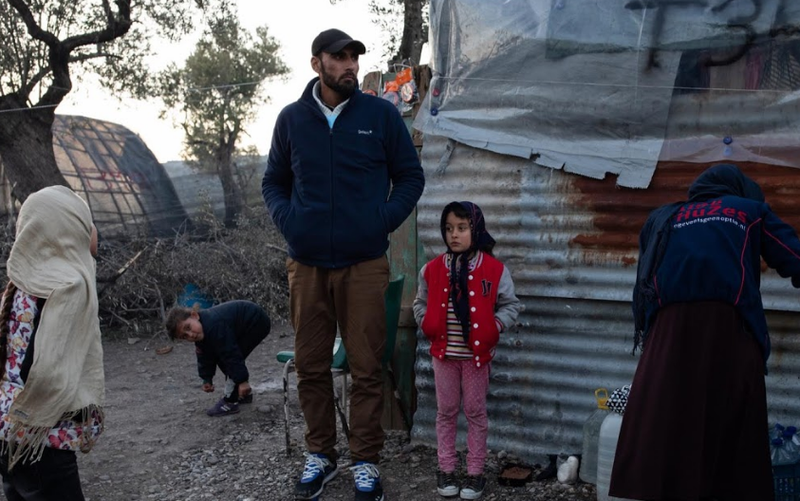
{"x":230,"y":332}
{"x":336,"y":193}
{"x":714,"y":254}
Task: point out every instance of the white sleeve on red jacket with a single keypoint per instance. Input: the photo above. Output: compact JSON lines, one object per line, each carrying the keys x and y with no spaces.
{"x":421,"y":300}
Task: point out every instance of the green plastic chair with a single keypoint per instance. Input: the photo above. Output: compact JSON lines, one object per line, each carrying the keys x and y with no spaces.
{"x":339,"y":367}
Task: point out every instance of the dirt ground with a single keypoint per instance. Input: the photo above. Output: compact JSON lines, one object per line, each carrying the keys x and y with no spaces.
{"x":160,"y":445}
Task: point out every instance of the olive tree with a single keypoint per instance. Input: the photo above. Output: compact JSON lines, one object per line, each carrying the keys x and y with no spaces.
{"x":404,"y":23}
{"x":218,"y":90}
{"x":44,"y":42}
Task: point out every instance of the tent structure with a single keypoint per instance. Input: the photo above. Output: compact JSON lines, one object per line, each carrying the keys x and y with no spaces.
{"x":125,"y":186}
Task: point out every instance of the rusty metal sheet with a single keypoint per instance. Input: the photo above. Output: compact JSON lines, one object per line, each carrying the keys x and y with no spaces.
{"x":571,"y":244}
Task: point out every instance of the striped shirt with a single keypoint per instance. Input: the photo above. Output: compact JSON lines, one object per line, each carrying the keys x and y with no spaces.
{"x":456,"y":346}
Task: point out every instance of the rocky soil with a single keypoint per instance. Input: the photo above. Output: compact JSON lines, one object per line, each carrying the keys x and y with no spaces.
{"x":160,"y":445}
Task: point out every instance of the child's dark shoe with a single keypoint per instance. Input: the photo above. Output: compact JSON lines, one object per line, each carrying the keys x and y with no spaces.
{"x":473,"y":486}
{"x":447,"y":484}
{"x":246,"y":399}
{"x":223,"y":408}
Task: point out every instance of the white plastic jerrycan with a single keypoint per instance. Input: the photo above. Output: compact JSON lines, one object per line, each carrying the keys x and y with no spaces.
{"x":606,"y":449}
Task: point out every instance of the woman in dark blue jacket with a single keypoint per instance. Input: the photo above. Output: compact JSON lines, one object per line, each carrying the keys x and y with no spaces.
{"x":696,"y":419}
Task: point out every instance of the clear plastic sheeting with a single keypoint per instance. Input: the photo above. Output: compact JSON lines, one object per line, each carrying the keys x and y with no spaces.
{"x":597,"y":87}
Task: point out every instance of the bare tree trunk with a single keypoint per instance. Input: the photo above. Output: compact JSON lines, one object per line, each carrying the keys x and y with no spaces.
{"x":230,"y":188}
{"x":414,"y":32}
{"x":26,"y":147}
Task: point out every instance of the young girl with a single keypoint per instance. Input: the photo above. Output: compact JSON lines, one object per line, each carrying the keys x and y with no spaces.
{"x":471,"y":298}
{"x":50,"y":403}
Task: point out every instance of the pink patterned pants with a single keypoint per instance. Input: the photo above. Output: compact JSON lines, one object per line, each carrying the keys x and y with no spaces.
{"x":457,"y":381}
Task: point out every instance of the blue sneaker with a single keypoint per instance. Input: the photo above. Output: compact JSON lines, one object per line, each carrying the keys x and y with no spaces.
{"x":318,"y":471}
{"x":368,"y":482}
{"x":223,"y":408}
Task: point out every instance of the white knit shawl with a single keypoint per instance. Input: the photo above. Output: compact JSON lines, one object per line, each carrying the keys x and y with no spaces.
{"x":51,"y":259}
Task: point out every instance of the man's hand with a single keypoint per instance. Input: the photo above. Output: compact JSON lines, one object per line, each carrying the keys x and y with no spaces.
{"x":208,"y":387}
{"x":244,"y":389}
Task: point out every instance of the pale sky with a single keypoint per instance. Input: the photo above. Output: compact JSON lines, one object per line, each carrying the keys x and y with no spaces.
{"x":293,"y":23}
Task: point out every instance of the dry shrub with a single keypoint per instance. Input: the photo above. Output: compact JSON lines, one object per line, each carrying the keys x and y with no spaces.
{"x":246,"y":262}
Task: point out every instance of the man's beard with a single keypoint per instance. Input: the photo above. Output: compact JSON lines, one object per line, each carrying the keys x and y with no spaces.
{"x":344,"y":89}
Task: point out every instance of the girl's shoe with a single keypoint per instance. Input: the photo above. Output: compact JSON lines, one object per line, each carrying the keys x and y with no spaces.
{"x":446,"y":483}
{"x":473,"y":487}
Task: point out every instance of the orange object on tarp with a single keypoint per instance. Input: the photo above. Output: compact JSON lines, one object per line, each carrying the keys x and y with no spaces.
{"x":391,"y":86}
{"x":404,"y":76}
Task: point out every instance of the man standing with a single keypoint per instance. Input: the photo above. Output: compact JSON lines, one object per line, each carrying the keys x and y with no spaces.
{"x":342,"y":174}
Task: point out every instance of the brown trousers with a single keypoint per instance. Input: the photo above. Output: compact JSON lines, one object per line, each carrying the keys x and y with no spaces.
{"x":353,"y":298}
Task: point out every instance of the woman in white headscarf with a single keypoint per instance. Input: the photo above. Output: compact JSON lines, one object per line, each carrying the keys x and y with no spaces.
{"x":51,"y":357}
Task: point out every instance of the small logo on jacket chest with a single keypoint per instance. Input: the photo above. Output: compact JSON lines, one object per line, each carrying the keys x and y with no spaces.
{"x":365,"y":132}
{"x":487,"y":287}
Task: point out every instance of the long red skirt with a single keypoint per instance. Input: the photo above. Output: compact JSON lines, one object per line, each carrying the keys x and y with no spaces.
{"x":695,"y":425}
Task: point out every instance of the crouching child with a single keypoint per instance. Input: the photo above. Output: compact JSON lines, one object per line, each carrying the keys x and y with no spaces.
{"x":223,"y":335}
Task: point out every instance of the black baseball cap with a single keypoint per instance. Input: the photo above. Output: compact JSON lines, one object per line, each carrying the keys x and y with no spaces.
{"x":332,"y":41}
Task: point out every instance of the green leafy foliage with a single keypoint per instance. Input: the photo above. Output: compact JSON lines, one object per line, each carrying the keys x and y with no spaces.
{"x":110,"y":39}
{"x":45,"y":44}
{"x":218,"y":90}
{"x":403,"y":25}
{"x":220,"y":85}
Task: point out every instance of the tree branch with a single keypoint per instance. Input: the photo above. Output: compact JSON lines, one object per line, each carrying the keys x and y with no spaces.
{"x":34,"y":81}
{"x":61,"y":81}
{"x":109,"y":13}
{"x":59,"y":51}
{"x":44,"y":71}
{"x":116,"y":26}
{"x":34,"y":29}
{"x":86,"y":57}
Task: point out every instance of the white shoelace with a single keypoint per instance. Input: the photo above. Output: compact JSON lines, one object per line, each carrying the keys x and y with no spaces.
{"x":314,"y":465}
{"x":365,"y":475}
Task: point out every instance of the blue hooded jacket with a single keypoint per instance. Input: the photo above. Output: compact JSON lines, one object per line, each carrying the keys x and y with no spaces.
{"x":335,"y":193}
{"x":714,"y":246}
{"x":231,"y":332}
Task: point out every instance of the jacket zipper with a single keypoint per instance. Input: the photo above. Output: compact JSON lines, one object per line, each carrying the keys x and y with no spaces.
{"x":333,"y":207}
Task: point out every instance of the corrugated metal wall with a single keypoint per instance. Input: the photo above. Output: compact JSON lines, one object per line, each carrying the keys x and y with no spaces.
{"x":571,"y":244}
